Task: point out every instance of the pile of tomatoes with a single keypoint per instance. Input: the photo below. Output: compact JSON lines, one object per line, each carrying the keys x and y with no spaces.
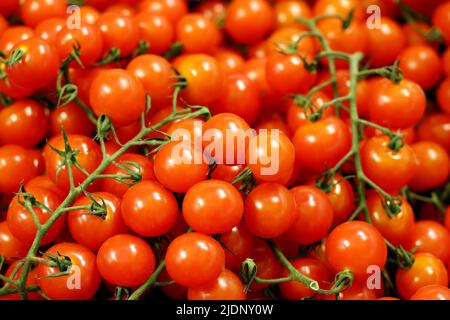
{"x":81,"y":86}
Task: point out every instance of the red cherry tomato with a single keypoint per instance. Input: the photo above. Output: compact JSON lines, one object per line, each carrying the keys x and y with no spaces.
{"x":432,"y":292}
{"x":240,"y":242}
{"x":16,"y":166}
{"x":157,"y":30}
{"x":32,"y":280}
{"x":228,"y":286}
{"x":72,"y":118}
{"x":10,"y":247}
{"x":35,"y":11}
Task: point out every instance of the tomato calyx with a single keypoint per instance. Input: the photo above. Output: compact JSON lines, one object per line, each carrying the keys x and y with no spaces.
{"x":403,"y":259}
{"x":246,"y":181}
{"x":62,"y":262}
{"x":174,"y":50}
{"x":14,"y":57}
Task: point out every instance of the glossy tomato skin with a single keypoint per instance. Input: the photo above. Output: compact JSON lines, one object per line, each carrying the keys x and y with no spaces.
{"x":421,"y":64}
{"x":432,"y":292}
{"x":16,"y":166}
{"x":240,"y":241}
{"x":89,"y":158}
{"x":35,"y":11}
{"x":23,"y":123}
{"x":271,"y":156}
{"x":433,"y":166}
{"x":396,"y":229}
{"x":322,"y":144}
{"x":113,"y":27}
{"x":248,"y":21}
{"x":228,"y":286}
{"x":426,"y":270}
{"x":179,"y":165}
{"x":443,"y":96}
{"x":194,"y":260}
{"x":157,"y":30}
{"x":49,"y":29}
{"x":389,"y":169}
{"x":149,"y":209}
{"x":38,"y":66}
{"x":21,"y":222}
{"x":342,"y":197}
{"x":397,"y":106}
{"x":90,"y":230}
{"x":432,"y":237}
{"x":205,"y":78}
{"x":156,"y":75}
{"x":88,"y":38}
{"x":10,"y":247}
{"x":114,"y":89}
{"x":173,"y":9}
{"x":83,"y":265}
{"x":198,"y":34}
{"x":240,"y":96}
{"x":287,"y":11}
{"x":435,"y":127}
{"x":125,"y":260}
{"x":356,"y":239}
{"x":72,"y":118}
{"x":212,"y":207}
{"x":314,"y":215}
{"x":269,"y":210}
{"x":230,"y":60}
{"x":144,"y":165}
{"x":13,"y":35}
{"x":314,"y":269}
{"x":390,"y":32}
{"x":441,"y":20}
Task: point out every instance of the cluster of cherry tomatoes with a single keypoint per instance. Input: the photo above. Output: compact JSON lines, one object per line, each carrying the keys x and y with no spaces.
{"x":187,"y":228}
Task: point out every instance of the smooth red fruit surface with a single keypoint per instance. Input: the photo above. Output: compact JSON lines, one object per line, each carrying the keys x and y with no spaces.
{"x":228,"y":286}
{"x":432,"y":292}
{"x":10,"y":247}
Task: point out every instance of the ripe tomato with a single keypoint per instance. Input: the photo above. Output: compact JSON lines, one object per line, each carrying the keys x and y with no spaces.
{"x":10,"y":247}
{"x":441,"y":20}
{"x":49,"y":29}
{"x":16,"y":166}
{"x":194,"y":260}
{"x":157,"y":30}
{"x":342,"y":197}
{"x":396,"y":229}
{"x":389,"y":169}
{"x":13,"y":35}
{"x":198,"y":34}
{"x":433,"y":166}
{"x":443,"y":96}
{"x":213,"y":207}
{"x":8,"y":7}
{"x":356,"y":239}
{"x":156,"y":75}
{"x":287,"y":11}
{"x":173,"y":291}
{"x":88,"y":38}
{"x":357,"y":291}
{"x":267,"y":264}
{"x":240,"y":242}
{"x":287,"y":74}
{"x":248,"y":21}
{"x":38,"y":66}
{"x":179,"y":165}
{"x":82,"y":280}
{"x":388,"y":32}
{"x":119,"y":31}
{"x":172,"y":9}
{"x":240,"y":96}
{"x":125,"y":260}
{"x":339,"y":7}
{"x":436,"y":128}
{"x":426,"y":270}
{"x":397,"y":106}
{"x":45,"y":182}
{"x":432,"y":292}
{"x":314,"y":215}
{"x":322,"y":144}
{"x":21,"y":222}
{"x":89,"y":157}
{"x":89,"y":14}
{"x":10,"y":89}
{"x":271,"y":156}
{"x":34,"y":11}
{"x":230,"y":61}
{"x":421,"y":64}
{"x":225,"y":138}
{"x":228,"y":286}
{"x":114,"y":88}
{"x":313,"y":269}
{"x":149,"y":209}
{"x":118,"y":188}
{"x":32,"y":280}
{"x":269,"y":210}
{"x":284,"y":38}
{"x":23,"y":123}
{"x":90,"y":230}
{"x":205,"y":79}
{"x":430,"y":237}
{"x":72,"y":118}
{"x":226,"y":173}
